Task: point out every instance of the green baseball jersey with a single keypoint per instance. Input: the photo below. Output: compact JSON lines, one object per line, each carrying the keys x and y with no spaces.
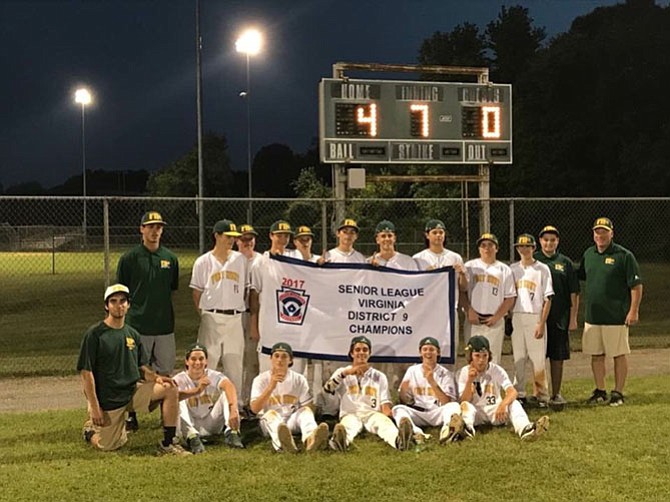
{"x":151,"y":278}
{"x":565,"y":282}
{"x":609,"y":277}
{"x":114,"y":356}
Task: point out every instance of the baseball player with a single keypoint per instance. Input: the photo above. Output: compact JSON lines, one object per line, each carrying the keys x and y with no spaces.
{"x":613,"y":295}
{"x":208,"y":402}
{"x":491,"y":295}
{"x":219,"y":282}
{"x":387,"y":256}
{"x":564,"y":306}
{"x":115,"y":378}
{"x":151,"y":272}
{"x":282,"y":400}
{"x":344,"y":252}
{"x":529,"y":317}
{"x":428,"y":393}
{"x":480,"y":384}
{"x":245,"y":245}
{"x":436,"y":256}
{"x":280,"y":232}
{"x":365,"y":401}
{"x":303,"y":240}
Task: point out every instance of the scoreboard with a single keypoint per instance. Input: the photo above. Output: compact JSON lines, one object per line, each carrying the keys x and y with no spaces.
{"x":406,"y":122}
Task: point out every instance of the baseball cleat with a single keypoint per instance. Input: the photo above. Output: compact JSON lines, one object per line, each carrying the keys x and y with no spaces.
{"x":405,"y":433}
{"x":454,"y":431}
{"x":194,"y":444}
{"x":88,"y":433}
{"x":286,"y":439}
{"x":338,"y":440}
{"x":557,"y":403}
{"x":318,"y":440}
{"x":173,"y":449}
{"x":468,"y":432}
{"x":616,"y":398}
{"x":598,"y":397}
{"x":421,"y":437}
{"x":232,"y":438}
{"x":535,"y":429}
{"x":131,"y":424}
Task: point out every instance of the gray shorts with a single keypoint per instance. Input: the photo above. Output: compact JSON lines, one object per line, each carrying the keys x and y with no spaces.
{"x":160,"y":351}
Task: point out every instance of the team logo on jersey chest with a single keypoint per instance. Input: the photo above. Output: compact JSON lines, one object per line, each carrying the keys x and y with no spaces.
{"x":291,"y":306}
{"x":130,"y":343}
{"x":560,"y":267}
{"x":609,"y":261}
{"x":165,"y":263}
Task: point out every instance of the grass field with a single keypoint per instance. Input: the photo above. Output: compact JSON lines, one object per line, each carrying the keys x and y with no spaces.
{"x":44,"y":314}
{"x":589,"y":454}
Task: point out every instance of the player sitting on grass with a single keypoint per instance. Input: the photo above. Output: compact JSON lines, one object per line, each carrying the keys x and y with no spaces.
{"x":208,"y":402}
{"x":364,"y":401}
{"x":480,"y":383}
{"x":116,"y":378}
{"x":428,"y":393}
{"x":281,"y":398}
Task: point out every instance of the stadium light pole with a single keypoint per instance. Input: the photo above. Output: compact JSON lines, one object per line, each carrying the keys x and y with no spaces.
{"x":83,"y":97}
{"x":249,"y":44}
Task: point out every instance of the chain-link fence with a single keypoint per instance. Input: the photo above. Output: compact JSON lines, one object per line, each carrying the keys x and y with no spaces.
{"x":54,"y":262}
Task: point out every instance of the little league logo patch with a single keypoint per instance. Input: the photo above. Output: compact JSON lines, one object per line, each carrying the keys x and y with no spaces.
{"x":291,"y":306}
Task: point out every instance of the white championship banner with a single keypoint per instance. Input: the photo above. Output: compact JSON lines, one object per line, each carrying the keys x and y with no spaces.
{"x":318,"y":309}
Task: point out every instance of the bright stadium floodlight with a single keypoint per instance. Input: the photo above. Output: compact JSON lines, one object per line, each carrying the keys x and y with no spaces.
{"x":83,"y":97}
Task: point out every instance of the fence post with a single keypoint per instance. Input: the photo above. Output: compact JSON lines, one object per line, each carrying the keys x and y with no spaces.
{"x":324,"y":226}
{"x":105,"y":233}
{"x":511,"y":231}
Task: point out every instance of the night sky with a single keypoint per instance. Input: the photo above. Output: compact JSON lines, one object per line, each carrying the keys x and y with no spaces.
{"x":138,"y":60}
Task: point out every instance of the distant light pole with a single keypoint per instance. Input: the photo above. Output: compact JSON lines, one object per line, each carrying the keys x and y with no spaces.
{"x":83,"y":97}
{"x":249,"y":43}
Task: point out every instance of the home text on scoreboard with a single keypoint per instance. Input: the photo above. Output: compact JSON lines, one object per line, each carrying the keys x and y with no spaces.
{"x":406,"y":122}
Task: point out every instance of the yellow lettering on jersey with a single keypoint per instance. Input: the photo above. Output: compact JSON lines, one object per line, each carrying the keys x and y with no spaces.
{"x":424,"y":391}
{"x":526,"y":284}
{"x":370,"y":391}
{"x":353,"y":389}
{"x":232,"y":275}
{"x":130,"y":343}
{"x":488,"y":389}
{"x":487,"y":278}
{"x":609,"y":261}
{"x":216,"y":277}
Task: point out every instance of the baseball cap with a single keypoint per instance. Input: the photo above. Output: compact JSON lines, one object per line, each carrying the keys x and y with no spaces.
{"x":385,"y":226}
{"x":360,"y":339}
{"x":226,"y":227}
{"x":603,"y":222}
{"x":525,"y":240}
{"x":429,"y":340}
{"x":549,"y":229}
{"x":152,"y":217}
{"x":282,"y":347}
{"x":116,"y":288}
{"x":478,"y":343}
{"x":247,"y":229}
{"x":193,"y":348}
{"x":488,"y":237}
{"x":433,"y":224}
{"x":281,"y":227}
{"x":348,"y":222}
{"x":303,"y":230}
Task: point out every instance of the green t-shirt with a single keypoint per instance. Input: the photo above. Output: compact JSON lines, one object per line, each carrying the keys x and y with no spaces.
{"x":114,"y":356}
{"x":151,"y":278}
{"x":609,"y":277}
{"x":565,"y":282}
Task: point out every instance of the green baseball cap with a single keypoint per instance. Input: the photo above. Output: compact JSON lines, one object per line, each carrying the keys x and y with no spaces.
{"x":247,"y":229}
{"x":549,"y":229}
{"x":478,"y":343}
{"x":303,"y":230}
{"x":525,"y":240}
{"x":194,"y":348}
{"x":360,"y":339}
{"x":226,"y":227}
{"x":603,"y":222}
{"x":152,"y":217}
{"x":429,"y":340}
{"x":282,"y":347}
{"x":433,"y":224}
{"x":488,"y":237}
{"x":385,"y":226}
{"x":348,"y":223}
{"x":281,"y":227}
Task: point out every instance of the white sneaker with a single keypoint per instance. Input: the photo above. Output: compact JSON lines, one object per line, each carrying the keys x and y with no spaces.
{"x":536,"y":429}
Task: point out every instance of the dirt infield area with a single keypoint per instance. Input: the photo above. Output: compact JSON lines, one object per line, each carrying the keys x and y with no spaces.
{"x":62,"y":393}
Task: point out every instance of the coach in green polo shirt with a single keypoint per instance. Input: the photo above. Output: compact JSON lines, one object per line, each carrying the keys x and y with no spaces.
{"x":613,"y":295}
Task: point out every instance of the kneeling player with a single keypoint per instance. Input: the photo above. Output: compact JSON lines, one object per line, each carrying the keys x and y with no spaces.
{"x":480,"y":384}
{"x":208,"y":402}
{"x":282,"y":400}
{"x":364,"y":401}
{"x":428,"y":393}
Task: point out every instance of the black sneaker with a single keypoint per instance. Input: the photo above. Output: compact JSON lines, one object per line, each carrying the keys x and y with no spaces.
{"x":88,"y":434}
{"x":131,"y":424}
{"x":194,"y":445}
{"x":616,"y":398}
{"x":598,"y":397}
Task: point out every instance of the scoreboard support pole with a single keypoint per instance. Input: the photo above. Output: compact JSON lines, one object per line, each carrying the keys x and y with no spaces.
{"x":483,"y":179}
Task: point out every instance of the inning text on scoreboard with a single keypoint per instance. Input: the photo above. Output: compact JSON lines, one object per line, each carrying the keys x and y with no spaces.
{"x":384,"y":121}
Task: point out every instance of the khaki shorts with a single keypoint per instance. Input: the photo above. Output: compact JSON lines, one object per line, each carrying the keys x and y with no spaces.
{"x":112,"y":435}
{"x":611,"y":341}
